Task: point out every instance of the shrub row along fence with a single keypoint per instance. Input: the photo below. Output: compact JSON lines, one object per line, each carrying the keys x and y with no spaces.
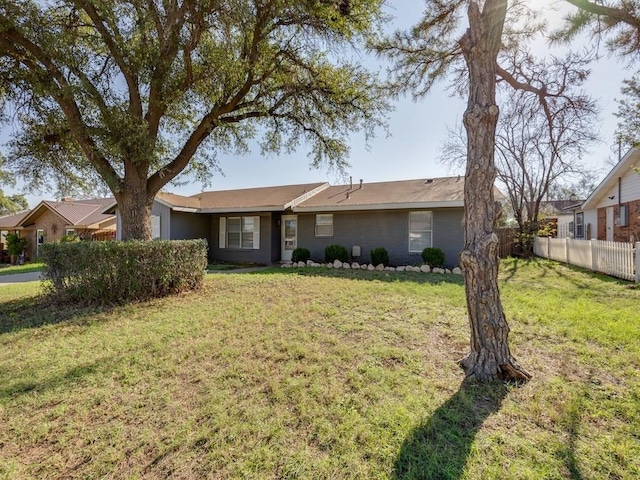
{"x":618,"y":259}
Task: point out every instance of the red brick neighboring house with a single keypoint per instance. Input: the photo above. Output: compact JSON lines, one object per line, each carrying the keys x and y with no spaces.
{"x":612,"y":211}
{"x":49,"y":221}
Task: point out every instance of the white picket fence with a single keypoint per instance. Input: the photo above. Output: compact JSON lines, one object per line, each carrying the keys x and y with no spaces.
{"x":617,"y":259}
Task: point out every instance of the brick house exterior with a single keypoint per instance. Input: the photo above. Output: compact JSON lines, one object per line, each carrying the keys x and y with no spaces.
{"x":603,"y":213}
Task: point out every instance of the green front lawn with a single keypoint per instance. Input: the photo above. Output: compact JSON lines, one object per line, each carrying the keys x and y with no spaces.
{"x":27,"y":267}
{"x":322,"y":374}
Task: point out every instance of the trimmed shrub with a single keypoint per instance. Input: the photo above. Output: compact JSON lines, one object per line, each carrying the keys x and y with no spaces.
{"x":379,"y":256}
{"x":336,"y":252}
{"x":112,"y":271}
{"x":300,"y":255}
{"x":434,"y":257}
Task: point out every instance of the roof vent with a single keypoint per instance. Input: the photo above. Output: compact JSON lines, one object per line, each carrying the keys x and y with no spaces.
{"x":360,"y":183}
{"x":429,"y":180}
{"x":67,"y":199}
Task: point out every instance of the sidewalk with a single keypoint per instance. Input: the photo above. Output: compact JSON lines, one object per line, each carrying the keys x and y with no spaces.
{"x":19,"y":278}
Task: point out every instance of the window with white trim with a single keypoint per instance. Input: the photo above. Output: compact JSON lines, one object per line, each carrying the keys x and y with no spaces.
{"x":579,"y":233}
{"x":240,"y":233}
{"x":420,"y":231}
{"x":324,"y":225}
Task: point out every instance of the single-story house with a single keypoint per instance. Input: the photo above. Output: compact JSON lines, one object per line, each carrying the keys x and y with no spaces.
{"x":264,"y":225}
{"x":49,"y":221}
{"x":561,"y":214}
{"x":612,"y":211}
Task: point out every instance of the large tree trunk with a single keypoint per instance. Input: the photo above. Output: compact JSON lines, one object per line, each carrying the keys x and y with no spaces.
{"x":134,"y":206}
{"x":490,"y":358}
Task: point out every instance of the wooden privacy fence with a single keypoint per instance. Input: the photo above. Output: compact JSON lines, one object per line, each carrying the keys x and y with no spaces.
{"x":508,"y":245}
{"x":618,"y":259}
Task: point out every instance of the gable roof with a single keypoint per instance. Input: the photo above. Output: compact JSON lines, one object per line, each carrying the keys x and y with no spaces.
{"x":420,"y":193}
{"x":257,"y":199}
{"x":624,"y":166}
{"x":77,"y":213}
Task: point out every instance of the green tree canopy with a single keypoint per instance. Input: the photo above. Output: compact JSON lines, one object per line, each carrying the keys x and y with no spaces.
{"x":133,"y":93}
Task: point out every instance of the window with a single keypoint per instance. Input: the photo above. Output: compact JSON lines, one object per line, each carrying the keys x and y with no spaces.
{"x":70,"y":231}
{"x":420,"y":230}
{"x":324,"y":225}
{"x":240,"y":232}
{"x":155,"y":226}
{"x":579,"y":225}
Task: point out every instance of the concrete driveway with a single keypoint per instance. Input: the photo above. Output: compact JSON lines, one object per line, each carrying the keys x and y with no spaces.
{"x":19,"y":278}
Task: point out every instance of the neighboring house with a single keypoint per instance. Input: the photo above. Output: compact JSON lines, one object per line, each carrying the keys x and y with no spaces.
{"x":561,"y":214}
{"x":264,"y":225}
{"x":612,"y":211}
{"x":49,"y":221}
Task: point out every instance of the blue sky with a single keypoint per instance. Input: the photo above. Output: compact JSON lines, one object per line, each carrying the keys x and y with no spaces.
{"x":417,"y":132}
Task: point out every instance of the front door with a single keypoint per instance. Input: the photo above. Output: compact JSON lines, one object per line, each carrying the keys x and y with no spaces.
{"x":289,"y":236}
{"x":609,"y":224}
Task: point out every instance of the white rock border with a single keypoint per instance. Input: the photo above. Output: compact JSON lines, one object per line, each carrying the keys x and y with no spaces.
{"x":369,"y":267}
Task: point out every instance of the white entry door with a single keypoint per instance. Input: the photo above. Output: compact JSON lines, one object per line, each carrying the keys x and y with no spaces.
{"x":609,"y":224}
{"x":289,"y":236}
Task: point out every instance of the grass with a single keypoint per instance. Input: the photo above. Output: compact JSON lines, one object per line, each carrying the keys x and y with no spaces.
{"x":322,"y":374}
{"x":27,"y":267}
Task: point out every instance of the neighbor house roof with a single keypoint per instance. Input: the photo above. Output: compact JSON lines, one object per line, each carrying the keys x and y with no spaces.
{"x":421,"y":193}
{"x":77,"y":213}
{"x":258,"y":199}
{"x":12,"y":221}
{"x":560,"y":207}
{"x":624,"y":166}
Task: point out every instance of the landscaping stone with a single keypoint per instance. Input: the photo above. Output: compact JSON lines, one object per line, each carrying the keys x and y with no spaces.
{"x":329,"y":265}
{"x":457,"y":271}
{"x":416,"y":269}
{"x":364,"y":266}
{"x":370,"y":267}
{"x":425,"y":268}
{"x":337,"y":264}
{"x":346,"y":265}
{"x":355,"y":265}
{"x":400,"y":269}
{"x":438,"y":270}
{"x":380,"y":267}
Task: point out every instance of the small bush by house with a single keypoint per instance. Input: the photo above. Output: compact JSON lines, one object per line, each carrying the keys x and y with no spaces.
{"x":335,"y":252}
{"x":300,"y":255}
{"x":111,"y":271}
{"x":379,"y":256}
{"x":434,"y":257}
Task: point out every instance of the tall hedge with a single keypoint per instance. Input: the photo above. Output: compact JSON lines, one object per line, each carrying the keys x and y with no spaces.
{"x":113,"y":271}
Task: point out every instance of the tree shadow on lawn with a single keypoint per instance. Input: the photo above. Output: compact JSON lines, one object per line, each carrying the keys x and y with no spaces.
{"x":380,"y":276}
{"x":40,"y":310}
{"x":438,"y":449}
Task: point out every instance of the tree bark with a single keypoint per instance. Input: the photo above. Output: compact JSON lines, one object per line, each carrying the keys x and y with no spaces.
{"x":134,"y":206}
{"x":490,"y":358}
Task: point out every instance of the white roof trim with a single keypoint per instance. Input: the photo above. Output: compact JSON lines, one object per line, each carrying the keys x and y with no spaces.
{"x":185,"y":209}
{"x":380,"y":206}
{"x":621,"y":168}
{"x":256,"y":209}
{"x":306,"y":196}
